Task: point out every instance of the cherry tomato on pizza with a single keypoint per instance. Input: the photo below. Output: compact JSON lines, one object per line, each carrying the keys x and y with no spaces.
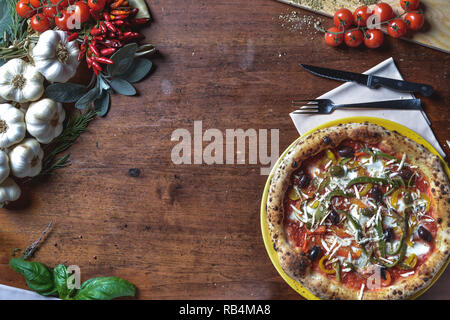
{"x":40,"y":23}
{"x":23,"y":8}
{"x":414,"y":20}
{"x":343,"y":18}
{"x":97,"y":5}
{"x":334,"y":37}
{"x":383,"y":11}
{"x":397,"y":28}
{"x":373,"y":38}
{"x":353,"y":38}
{"x":409,"y":5}
{"x":361,"y":15}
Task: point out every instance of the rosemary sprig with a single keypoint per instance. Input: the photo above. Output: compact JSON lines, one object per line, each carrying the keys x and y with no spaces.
{"x":73,"y":129}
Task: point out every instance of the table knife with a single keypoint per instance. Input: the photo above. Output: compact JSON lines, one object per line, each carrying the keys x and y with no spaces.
{"x":370,"y":81}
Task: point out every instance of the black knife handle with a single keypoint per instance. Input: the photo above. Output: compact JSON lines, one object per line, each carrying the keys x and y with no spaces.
{"x":400,"y":85}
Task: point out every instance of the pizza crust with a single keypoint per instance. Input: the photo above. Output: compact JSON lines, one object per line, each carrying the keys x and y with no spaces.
{"x":298,"y":266}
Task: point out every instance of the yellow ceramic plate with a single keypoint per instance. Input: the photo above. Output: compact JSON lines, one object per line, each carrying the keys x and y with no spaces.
{"x":265,"y":229}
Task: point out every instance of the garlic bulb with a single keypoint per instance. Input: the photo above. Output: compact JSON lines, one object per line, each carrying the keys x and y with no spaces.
{"x":56,"y":58}
{"x":44,"y":120}
{"x":9,"y":191}
{"x":25,"y":159}
{"x":20,"y":81}
{"x":4,"y":166}
{"x":12,"y":125}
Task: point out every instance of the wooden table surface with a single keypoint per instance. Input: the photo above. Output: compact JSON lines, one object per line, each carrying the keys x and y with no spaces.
{"x":193,"y":231}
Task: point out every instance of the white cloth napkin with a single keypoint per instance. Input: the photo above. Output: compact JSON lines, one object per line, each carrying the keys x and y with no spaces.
{"x":10,"y":293}
{"x":351,"y":92}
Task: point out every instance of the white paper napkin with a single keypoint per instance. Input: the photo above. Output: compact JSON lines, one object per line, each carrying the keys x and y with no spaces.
{"x":351,"y":92}
{"x":11,"y":293}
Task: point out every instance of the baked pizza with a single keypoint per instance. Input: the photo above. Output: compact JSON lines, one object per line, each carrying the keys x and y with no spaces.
{"x":357,"y":211}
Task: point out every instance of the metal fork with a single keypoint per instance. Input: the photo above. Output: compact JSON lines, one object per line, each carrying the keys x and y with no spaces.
{"x":326,"y":106}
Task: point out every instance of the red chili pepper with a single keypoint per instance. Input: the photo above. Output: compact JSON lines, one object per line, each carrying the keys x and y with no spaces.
{"x":134,"y":11}
{"x":106,"y":16}
{"x":110,"y":26}
{"x":89,"y":61}
{"x":121,"y":17}
{"x":80,"y":56}
{"x":108,"y":51}
{"x":104,"y":60}
{"x":94,"y":49}
{"x":73,"y":37}
{"x":95,"y":65}
{"x":118,"y":22}
{"x":140,"y":21}
{"x":96,"y":31}
{"x":99,"y":38}
{"x":103,"y":27}
{"x":111,"y":43}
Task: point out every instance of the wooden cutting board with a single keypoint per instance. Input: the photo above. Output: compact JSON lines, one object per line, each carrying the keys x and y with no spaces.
{"x":435,"y":33}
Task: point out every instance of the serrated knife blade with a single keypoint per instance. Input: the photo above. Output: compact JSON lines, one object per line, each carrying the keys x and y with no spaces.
{"x":370,"y":81}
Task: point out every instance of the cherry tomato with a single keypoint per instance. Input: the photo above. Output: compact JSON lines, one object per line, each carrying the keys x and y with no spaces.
{"x":82,"y":10}
{"x":49,"y":12}
{"x":334,"y":39}
{"x":383,"y":11}
{"x":353,"y":38}
{"x":409,"y":5}
{"x":61,"y":5}
{"x":97,"y":5}
{"x":35,"y":3}
{"x":343,"y":17}
{"x":24,"y":9}
{"x":373,"y":38}
{"x":61,"y":20}
{"x":397,"y":28}
{"x":40,"y":23}
{"x":414,"y":20}
{"x":361,"y":15}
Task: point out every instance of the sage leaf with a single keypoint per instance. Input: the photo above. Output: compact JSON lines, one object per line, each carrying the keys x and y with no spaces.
{"x":123,"y":59}
{"x":60,"y":277}
{"x":144,"y":50}
{"x":86,"y":99}
{"x":140,"y":68}
{"x":66,"y":92}
{"x":123,"y":87}
{"x":105,"y":288}
{"x":101,"y":105}
{"x":5,"y":19}
{"x":37,"y":276}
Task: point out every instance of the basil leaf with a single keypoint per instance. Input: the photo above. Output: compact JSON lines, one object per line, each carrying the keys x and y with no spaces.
{"x":89,"y":97}
{"x":105,"y":288}
{"x":37,"y":276}
{"x":123,"y":87}
{"x":101,"y":105}
{"x":66,"y":92}
{"x":140,"y":68}
{"x":123,"y":60}
{"x":60,"y":276}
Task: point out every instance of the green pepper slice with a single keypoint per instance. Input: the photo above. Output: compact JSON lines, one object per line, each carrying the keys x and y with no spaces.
{"x":381,"y":242}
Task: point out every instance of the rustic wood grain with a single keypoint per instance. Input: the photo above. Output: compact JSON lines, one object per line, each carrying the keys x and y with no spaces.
{"x":434,"y":34}
{"x":193,"y":231}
